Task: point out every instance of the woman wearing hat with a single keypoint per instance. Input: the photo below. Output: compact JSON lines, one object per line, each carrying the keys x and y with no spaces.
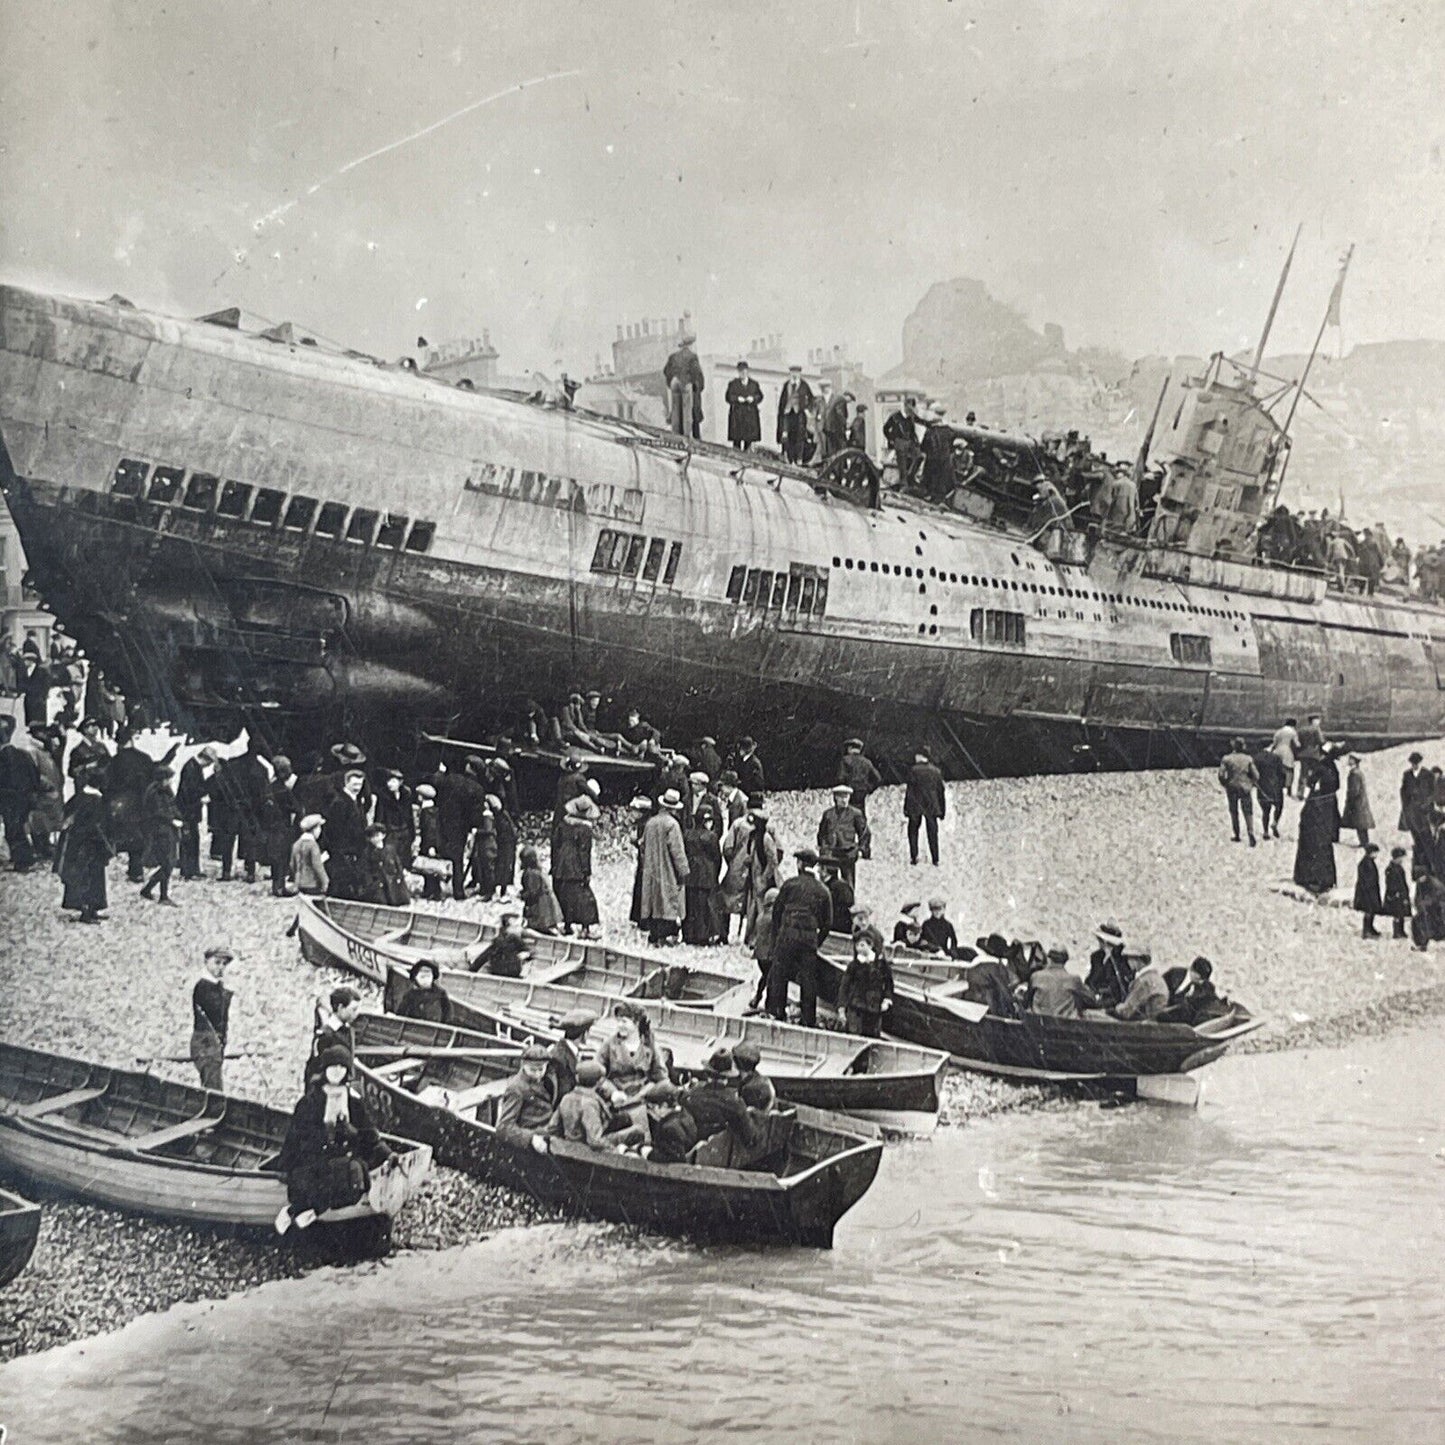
{"x":1109,"y":973}
{"x":700,"y":924}
{"x":331,"y":1145}
{"x":754,"y":863}
{"x":632,"y":1061}
{"x":572,"y":867}
{"x":642,"y":808}
{"x":211,"y":1016}
{"x":1319,"y":827}
{"x":161,"y":831}
{"x":540,"y":910}
{"x":85,"y":850}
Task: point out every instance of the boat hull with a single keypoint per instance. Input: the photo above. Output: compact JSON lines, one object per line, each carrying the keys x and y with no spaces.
{"x":1095,"y":1051}
{"x":19,"y":1230}
{"x":900,"y":1094}
{"x":685,"y":1200}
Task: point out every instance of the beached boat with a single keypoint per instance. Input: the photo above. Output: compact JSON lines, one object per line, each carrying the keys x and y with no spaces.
{"x":792,"y":1189}
{"x":367,"y":937}
{"x":157,"y":1147}
{"x":897,"y":1086}
{"x":928,"y":1010}
{"x":19,"y":1229}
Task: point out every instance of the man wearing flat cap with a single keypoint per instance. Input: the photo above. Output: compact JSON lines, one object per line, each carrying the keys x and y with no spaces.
{"x":566,"y":1054}
{"x":525,"y":1108}
{"x":795,"y":402}
{"x":160,"y":822}
{"x":859,"y":773}
{"x":802,"y":916}
{"x":682,"y":374}
{"x":843,"y":833}
{"x":744,"y":396}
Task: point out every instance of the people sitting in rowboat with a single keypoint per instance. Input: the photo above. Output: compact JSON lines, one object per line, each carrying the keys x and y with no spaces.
{"x":426,"y":999}
{"x":1148,"y":995}
{"x":1057,"y":993}
{"x":715,"y":1104}
{"x":526,"y":1107}
{"x":631,"y":1060}
{"x":867,"y":989}
{"x":584,"y":1118}
{"x":332,"y":1026}
{"x":990,"y":980}
{"x":908,"y":931}
{"x":674,"y":1130}
{"x":506,"y":954}
{"x":1193,"y":998}
{"x":939,"y":935}
{"x":1025,"y":957}
{"x":565,"y":1055}
{"x":1109,"y":973}
{"x":331,"y":1145}
{"x":754,"y":1089}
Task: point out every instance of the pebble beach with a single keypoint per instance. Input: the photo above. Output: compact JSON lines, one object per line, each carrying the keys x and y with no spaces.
{"x":1045,"y":858}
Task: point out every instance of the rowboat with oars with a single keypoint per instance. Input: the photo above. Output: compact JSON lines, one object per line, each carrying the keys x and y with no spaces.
{"x":367,"y":937}
{"x":19,"y":1229}
{"x":808,"y":1169}
{"x":928,"y":1009}
{"x":897,"y":1086}
{"x":157,"y":1147}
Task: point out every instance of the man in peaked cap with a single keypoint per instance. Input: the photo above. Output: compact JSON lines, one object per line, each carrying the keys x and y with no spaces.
{"x":802,"y":917}
{"x":795,"y":401}
{"x":843,"y":832}
{"x":526,"y":1106}
{"x":566,"y":1054}
{"x":859,"y":773}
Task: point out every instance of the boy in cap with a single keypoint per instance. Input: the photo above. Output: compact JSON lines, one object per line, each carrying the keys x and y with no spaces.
{"x":1397,"y":891}
{"x":754,"y":1089}
{"x":308,"y":867}
{"x":861,"y":916}
{"x":584,"y":1118}
{"x":211,"y":1015}
{"x":939,"y":935}
{"x":429,"y":838}
{"x":505,"y":955}
{"x":843,"y":833}
{"x":1367,"y":898}
{"x":525,"y":1109}
{"x":867,"y":988}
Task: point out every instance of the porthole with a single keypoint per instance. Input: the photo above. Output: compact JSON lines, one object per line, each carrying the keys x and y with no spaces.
{"x":837,"y":562}
{"x":849,"y":564}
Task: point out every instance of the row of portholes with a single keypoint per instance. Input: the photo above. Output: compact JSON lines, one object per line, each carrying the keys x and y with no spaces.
{"x":1114,"y":599}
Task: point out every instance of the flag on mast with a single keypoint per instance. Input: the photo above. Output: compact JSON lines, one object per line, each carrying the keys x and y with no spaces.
{"x":1332,"y":311}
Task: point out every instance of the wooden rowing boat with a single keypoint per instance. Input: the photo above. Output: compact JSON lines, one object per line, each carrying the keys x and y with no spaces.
{"x":792,"y":1189}
{"x":19,"y":1229}
{"x":897,"y":1086}
{"x":367,"y":937}
{"x":156,"y":1147}
{"x":928,"y":1010}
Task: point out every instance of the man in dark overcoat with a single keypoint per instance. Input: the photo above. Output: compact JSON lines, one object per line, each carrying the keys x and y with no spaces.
{"x":802,"y":917}
{"x":682,"y":373}
{"x":795,"y":401}
{"x":1417,"y":791}
{"x":744,"y":396}
{"x":191,"y":794}
{"x":859,"y":773}
{"x":924,"y":804}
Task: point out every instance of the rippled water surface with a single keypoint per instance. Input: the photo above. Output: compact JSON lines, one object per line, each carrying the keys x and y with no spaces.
{"x":1270,"y":1267}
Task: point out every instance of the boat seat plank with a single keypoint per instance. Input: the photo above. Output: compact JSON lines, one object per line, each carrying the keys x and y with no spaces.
{"x":396,"y":1066}
{"x":159,"y":1137}
{"x":58,"y":1102}
{"x":395,"y":936}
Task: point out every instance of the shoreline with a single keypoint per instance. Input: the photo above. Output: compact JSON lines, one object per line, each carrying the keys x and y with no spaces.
{"x":1154,"y":845}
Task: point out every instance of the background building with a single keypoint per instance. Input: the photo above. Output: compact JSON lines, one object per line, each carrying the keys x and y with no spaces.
{"x":20,"y":613}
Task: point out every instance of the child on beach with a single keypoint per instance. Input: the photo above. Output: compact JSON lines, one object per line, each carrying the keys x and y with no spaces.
{"x":1397,"y":891}
{"x":540,"y":910}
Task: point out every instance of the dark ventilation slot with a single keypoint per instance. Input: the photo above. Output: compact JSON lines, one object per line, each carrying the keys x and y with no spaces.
{"x":267,"y":510}
{"x":419,"y":539}
{"x":201,"y":492}
{"x":393,"y":530}
{"x":130,"y":478}
{"x":362,"y":527}
{"x":234,"y":498}
{"x":330,"y":519}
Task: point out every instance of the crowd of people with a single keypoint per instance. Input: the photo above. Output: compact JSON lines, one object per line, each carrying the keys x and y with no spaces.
{"x":1299,"y":763}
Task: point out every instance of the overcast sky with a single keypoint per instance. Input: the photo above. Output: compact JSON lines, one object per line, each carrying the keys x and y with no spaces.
{"x":1131,"y":170}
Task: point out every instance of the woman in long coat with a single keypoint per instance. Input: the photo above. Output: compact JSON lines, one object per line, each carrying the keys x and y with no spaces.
{"x":1357,"y":814}
{"x":572,"y":866}
{"x":84,"y":852}
{"x":664,"y":870}
{"x":642,"y":809}
{"x":704,"y":865}
{"x":1319,"y":827}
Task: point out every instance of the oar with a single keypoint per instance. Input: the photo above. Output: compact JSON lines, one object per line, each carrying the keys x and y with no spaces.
{"x":187,"y":1059}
